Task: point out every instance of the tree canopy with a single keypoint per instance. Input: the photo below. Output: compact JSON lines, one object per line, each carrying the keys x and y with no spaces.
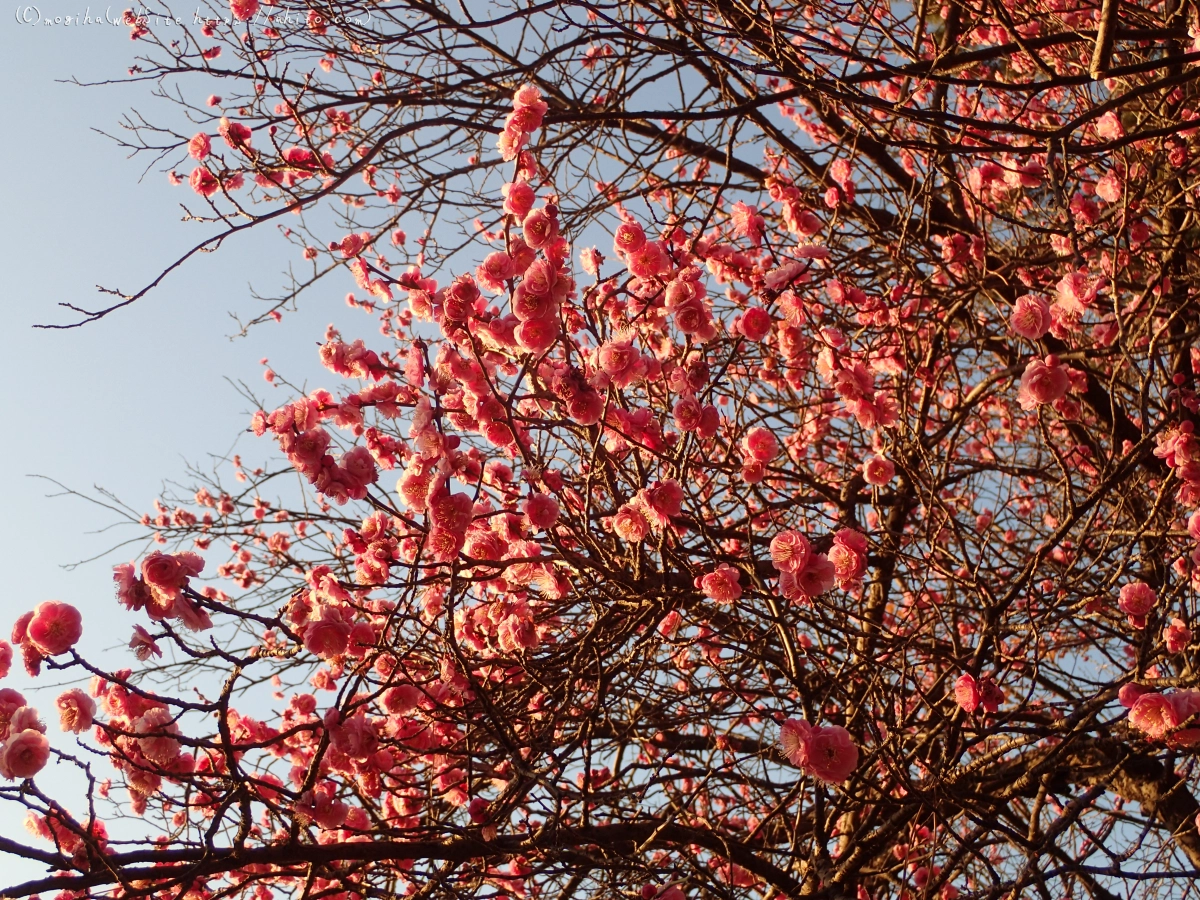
{"x":768,"y":469}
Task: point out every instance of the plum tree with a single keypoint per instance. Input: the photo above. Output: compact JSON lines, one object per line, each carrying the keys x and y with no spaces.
{"x":831,"y":534}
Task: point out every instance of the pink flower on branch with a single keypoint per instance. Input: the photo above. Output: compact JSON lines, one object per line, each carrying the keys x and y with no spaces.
{"x":54,"y":628}
{"x":826,"y":752}
{"x":24,"y":754}
{"x":1044,"y":382}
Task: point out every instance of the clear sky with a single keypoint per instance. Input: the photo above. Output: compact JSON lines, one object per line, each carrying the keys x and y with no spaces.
{"x":120,"y":403}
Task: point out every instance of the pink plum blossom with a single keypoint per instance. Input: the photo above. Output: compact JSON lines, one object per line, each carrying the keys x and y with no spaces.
{"x":794,"y":736}
{"x":826,"y":752}
{"x":1154,"y":715}
{"x":848,"y":554}
{"x":966,"y":693}
{"x":630,"y":524}
{"x":55,"y":627}
{"x":75,"y":710}
{"x":790,"y":551}
{"x":1128,"y":694}
{"x":832,"y":755}
{"x":722,"y":584}
{"x":24,"y":754}
{"x":328,"y":636}
{"x":1030,"y":317}
{"x":142,"y":644}
{"x":243,"y":10}
{"x":760,"y":445}
{"x":541,"y":510}
{"x":1177,"y":636}
{"x":1137,"y":598}
{"x":878,"y":470}
{"x":1044,"y":382}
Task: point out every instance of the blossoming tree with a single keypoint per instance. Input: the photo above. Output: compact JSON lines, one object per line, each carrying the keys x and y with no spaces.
{"x":773,"y":472}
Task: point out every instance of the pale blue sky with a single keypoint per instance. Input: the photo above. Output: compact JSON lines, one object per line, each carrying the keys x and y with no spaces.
{"x":123,"y":402}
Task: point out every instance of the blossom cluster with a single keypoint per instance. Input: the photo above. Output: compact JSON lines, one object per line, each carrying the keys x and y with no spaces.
{"x":1179,"y":448}
{"x":50,"y":630}
{"x":805,"y":573}
{"x":160,"y":588}
{"x":1173,"y":718}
